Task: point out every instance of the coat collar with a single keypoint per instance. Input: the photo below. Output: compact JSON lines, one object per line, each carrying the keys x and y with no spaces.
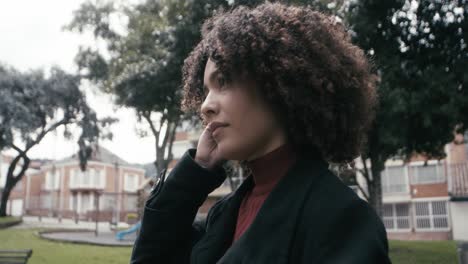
{"x":272,"y":230}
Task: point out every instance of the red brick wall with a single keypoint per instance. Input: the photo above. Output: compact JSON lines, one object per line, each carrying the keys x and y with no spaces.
{"x":19,"y":190}
{"x":429,"y":190}
{"x":420,"y":236}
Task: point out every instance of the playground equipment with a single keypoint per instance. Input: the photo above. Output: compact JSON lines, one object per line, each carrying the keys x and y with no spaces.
{"x":120,"y":235}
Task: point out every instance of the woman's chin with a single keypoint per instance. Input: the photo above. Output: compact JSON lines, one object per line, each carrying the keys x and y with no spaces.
{"x":229,"y":152}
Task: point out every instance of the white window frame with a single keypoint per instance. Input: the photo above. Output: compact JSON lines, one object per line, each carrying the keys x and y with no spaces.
{"x":52,"y":180}
{"x":127,"y":177}
{"x":387,"y":183}
{"x":71,"y":202}
{"x":395,"y":219}
{"x":91,"y":178}
{"x":102,"y":178}
{"x":440,"y":172}
{"x":431,"y":215}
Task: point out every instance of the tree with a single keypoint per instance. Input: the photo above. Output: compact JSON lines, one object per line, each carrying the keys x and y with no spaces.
{"x":142,"y":66}
{"x":32,"y":106}
{"x":419,"y":50}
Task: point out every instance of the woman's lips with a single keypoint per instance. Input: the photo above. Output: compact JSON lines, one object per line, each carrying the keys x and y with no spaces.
{"x":215,"y":125}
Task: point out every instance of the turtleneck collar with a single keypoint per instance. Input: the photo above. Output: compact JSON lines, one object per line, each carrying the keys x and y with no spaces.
{"x":268,"y":169}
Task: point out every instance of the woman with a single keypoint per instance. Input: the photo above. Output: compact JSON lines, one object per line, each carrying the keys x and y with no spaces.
{"x":283,"y":89}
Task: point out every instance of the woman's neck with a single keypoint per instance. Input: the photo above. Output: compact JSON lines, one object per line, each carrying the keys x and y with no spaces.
{"x":268,"y":169}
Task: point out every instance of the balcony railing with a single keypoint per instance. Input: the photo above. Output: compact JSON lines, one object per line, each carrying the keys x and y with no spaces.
{"x":458,"y":180}
{"x":395,"y":189}
{"x":86,"y":187}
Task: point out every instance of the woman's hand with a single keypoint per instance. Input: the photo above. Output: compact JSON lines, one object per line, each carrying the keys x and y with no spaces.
{"x":208,"y":155}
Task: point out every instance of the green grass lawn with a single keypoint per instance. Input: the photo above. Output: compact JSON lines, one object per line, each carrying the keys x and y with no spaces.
{"x":427,"y":252}
{"x":401,"y":252}
{"x":48,"y":252}
{"x":8,"y":219}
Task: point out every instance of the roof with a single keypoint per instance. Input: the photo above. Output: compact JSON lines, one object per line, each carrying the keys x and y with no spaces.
{"x":100,"y":154}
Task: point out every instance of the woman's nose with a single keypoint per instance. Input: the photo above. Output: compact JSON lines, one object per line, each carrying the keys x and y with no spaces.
{"x":210,"y":107}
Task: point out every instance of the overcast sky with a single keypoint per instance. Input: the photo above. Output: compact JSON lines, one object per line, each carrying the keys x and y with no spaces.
{"x":32,"y":37}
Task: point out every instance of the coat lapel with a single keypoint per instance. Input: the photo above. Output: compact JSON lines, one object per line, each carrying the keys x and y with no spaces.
{"x":220,"y":229}
{"x":270,"y":235}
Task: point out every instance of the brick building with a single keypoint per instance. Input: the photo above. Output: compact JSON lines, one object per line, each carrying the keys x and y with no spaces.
{"x":106,"y":190}
{"x":427,"y":199}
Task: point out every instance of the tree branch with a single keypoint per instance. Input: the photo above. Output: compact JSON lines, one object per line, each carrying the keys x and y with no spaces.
{"x":14,"y":163}
{"x":366,"y":171}
{"x":171,"y":126}
{"x":45,"y":132}
{"x":363,"y":191}
{"x":171,"y":140}
{"x":147,"y":117}
{"x":25,"y":166}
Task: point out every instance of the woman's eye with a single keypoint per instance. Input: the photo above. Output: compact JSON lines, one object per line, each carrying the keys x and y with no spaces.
{"x":221,"y":81}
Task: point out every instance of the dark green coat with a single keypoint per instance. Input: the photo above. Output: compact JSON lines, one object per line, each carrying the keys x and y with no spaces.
{"x":309,"y":217}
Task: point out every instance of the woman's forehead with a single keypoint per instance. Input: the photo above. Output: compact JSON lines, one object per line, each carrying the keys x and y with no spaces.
{"x":210,"y":70}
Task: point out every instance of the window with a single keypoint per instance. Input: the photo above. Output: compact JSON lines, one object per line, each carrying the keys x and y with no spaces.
{"x":131,"y":203}
{"x":91,"y":178}
{"x":71,"y":203}
{"x":131,"y":182}
{"x":73,"y":179}
{"x":46,"y":201}
{"x":431,"y":215}
{"x":86,"y":203}
{"x":394,"y":180}
{"x":52,"y":180}
{"x":98,"y":178}
{"x":431,"y":173}
{"x":396,"y":216}
{"x":85,"y":178}
{"x":107,"y":202}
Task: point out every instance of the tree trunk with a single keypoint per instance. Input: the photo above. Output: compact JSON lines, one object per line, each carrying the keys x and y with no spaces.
{"x":9,"y":185}
{"x":12,"y":180}
{"x":163,"y":160}
{"x":3,"y":203}
{"x":375,"y":185}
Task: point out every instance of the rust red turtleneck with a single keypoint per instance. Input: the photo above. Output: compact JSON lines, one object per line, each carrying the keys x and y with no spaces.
{"x":266,"y":171}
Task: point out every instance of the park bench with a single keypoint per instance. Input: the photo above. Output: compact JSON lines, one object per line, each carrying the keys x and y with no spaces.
{"x":14,"y":256}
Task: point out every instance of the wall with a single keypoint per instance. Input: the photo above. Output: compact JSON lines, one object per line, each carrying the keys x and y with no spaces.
{"x":419,"y":236}
{"x":459,"y":211}
{"x":429,"y":190}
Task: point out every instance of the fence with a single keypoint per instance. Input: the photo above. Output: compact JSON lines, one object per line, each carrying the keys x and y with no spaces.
{"x":85,"y":205}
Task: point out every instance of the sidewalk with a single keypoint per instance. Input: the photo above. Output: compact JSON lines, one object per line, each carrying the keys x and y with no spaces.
{"x":50,"y":222}
{"x":106,"y":236}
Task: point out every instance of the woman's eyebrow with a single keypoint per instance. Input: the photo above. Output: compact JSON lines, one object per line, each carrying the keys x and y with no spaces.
{"x":210,"y":79}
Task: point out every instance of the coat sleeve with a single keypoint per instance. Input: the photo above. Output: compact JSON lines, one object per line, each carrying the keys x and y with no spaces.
{"x":168,"y":232}
{"x":356,"y":237}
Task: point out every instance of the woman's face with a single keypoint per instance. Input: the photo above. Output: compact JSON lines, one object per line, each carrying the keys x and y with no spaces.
{"x":249,"y":129}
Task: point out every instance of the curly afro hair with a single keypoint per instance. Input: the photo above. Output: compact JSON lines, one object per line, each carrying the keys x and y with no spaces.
{"x":314,"y":78}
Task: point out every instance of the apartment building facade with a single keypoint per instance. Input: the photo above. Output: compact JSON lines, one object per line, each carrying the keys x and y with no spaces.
{"x":107,"y":190}
{"x":427,"y":199}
